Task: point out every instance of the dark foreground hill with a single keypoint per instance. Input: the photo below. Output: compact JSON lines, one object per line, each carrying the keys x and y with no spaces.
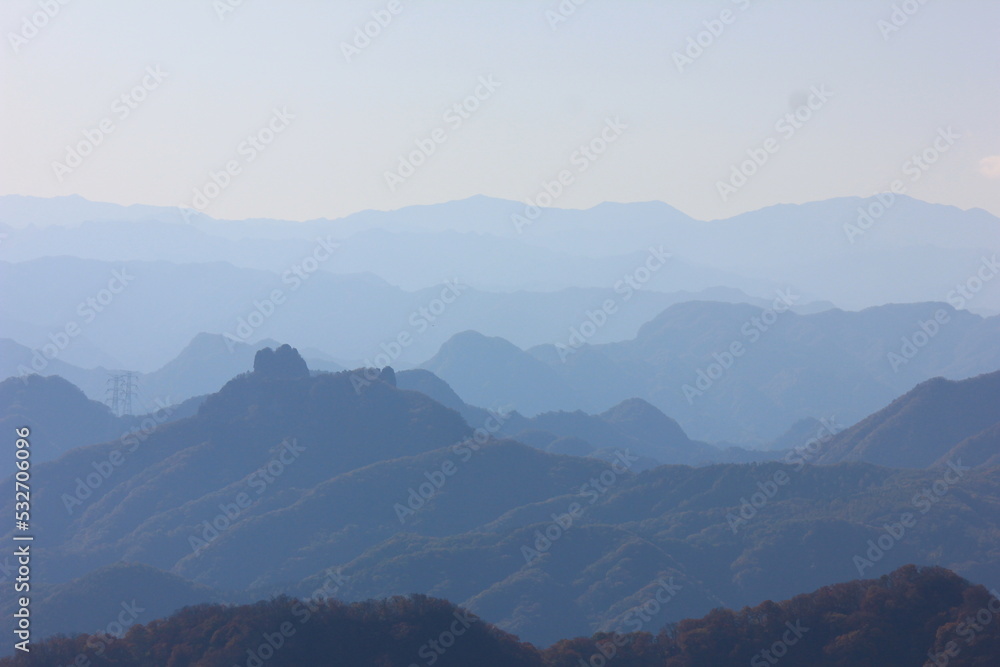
{"x":910,"y":617}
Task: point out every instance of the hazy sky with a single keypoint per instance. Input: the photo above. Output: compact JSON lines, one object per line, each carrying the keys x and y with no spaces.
{"x":558,"y":85}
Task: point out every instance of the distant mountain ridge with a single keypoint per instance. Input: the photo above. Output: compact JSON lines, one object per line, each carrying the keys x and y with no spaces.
{"x":787,"y":367}
{"x":166,"y":305}
{"x":808,"y":246}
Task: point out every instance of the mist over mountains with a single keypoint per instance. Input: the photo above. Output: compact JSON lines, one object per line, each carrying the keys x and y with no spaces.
{"x":812,"y":248}
{"x":547,"y":333}
{"x":169,"y":304}
{"x":725,"y":373}
{"x":545,"y":423}
{"x":832,"y":364}
{"x":284,"y":474}
{"x":588,"y":316}
{"x":831,"y":250}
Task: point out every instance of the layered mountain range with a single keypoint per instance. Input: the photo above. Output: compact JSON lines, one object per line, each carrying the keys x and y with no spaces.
{"x":285,"y":475}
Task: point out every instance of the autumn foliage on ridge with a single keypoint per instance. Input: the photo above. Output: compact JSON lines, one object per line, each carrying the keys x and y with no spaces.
{"x":910,"y":617}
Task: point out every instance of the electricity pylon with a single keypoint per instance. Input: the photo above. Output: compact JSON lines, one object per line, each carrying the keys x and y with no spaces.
{"x":122,"y":387}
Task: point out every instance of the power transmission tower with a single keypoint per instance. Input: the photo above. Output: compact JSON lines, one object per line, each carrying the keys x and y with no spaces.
{"x":122,"y":388}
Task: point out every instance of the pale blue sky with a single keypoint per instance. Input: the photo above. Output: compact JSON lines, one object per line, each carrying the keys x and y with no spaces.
{"x":610,"y":59}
